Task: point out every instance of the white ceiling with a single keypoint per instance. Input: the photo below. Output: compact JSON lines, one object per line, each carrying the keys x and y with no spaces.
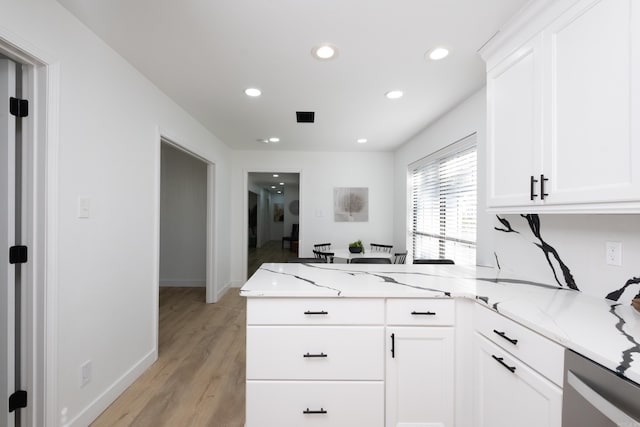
{"x":204,"y":53}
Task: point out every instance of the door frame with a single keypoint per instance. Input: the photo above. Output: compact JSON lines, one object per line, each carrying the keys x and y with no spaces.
{"x":212,"y":290}
{"x":40,"y":131}
{"x":245,"y":209}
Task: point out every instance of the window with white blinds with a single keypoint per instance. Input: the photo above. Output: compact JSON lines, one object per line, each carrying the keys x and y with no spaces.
{"x":444,"y":203}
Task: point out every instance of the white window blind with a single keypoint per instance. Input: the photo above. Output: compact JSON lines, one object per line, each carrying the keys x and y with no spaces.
{"x":444,"y":204}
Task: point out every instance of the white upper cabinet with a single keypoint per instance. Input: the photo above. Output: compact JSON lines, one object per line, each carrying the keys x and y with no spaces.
{"x":562,"y":93}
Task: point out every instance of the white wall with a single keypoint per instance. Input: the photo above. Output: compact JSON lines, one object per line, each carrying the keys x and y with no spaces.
{"x":183,"y":219}
{"x":320,"y":172}
{"x":109,"y":151}
{"x":465,"y":119}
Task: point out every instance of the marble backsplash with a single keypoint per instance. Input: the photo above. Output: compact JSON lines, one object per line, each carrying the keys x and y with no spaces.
{"x":569,"y":251}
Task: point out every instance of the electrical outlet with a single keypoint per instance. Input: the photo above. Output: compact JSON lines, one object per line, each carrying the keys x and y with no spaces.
{"x":85,"y":373}
{"x":613,"y":254}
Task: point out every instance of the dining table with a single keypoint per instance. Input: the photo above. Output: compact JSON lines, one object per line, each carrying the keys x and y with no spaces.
{"x":348,"y":255}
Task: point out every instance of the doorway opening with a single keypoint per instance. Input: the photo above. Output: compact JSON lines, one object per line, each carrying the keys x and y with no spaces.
{"x":273,"y":218}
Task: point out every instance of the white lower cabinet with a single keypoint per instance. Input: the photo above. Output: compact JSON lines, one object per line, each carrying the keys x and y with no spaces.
{"x":315,"y":403}
{"x":420,"y":377}
{"x":509,"y":393}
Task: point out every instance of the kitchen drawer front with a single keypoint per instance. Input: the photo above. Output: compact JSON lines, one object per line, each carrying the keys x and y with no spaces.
{"x":315,"y":353}
{"x":421,"y":312}
{"x":540,"y":353}
{"x":283,"y":403}
{"x":314,"y":311}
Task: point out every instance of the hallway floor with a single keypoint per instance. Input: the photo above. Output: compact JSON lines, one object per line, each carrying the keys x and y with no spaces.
{"x":269,"y":252}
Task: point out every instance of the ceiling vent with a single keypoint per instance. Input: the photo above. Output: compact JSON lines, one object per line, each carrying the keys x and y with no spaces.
{"x":305,"y":116}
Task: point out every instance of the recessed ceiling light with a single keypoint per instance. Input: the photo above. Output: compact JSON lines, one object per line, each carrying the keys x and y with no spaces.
{"x":282,"y":183}
{"x":262,"y":140}
{"x":324,"y":52}
{"x":394,"y":94}
{"x":279,"y":192}
{"x":273,"y":186}
{"x":275,"y":175}
{"x":253,"y":92}
{"x":274,"y":139}
{"x":361,"y":140}
{"x":438,"y":53}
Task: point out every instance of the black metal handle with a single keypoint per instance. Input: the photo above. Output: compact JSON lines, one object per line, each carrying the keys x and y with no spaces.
{"x":316,"y":312}
{"x":500,"y":360}
{"x":314,"y":355}
{"x":309,"y":411}
{"x":532,"y":184}
{"x":542,"y":193}
{"x":393,"y":345}
{"x":423,"y":313}
{"x":504,"y":335}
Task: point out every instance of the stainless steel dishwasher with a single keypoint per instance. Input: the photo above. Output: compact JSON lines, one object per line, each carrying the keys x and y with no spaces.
{"x":594,"y":396}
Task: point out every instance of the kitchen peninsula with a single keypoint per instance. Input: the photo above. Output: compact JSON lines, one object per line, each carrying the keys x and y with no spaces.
{"x":380,"y":345}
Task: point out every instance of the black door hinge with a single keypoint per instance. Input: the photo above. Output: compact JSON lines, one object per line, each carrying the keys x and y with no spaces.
{"x":18,"y":400}
{"x":17,"y":254}
{"x":18,"y":107}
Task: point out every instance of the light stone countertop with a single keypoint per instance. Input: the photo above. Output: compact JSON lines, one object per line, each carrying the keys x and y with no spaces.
{"x":602,"y":330}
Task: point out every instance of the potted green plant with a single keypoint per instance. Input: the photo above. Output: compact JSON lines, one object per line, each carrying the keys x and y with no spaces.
{"x":356,"y":247}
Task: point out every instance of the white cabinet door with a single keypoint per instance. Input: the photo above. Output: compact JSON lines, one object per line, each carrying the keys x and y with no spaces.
{"x":514,"y":115}
{"x":592,"y":146}
{"x":420,"y":377}
{"x":508,"y":393}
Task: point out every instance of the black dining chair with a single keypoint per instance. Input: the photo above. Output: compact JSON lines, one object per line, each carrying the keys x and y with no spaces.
{"x":399,"y":257}
{"x":322,"y":247}
{"x":324,"y":256}
{"x":307,"y":260}
{"x":377,"y":247}
{"x":433,"y":261}
{"x":293,"y":237}
{"x":370,"y":261}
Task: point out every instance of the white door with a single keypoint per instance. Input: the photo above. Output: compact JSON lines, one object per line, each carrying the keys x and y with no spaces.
{"x":420,"y":377}
{"x":7,"y":239}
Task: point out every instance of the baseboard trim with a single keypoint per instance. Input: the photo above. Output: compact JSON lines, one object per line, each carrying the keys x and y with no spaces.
{"x":102,"y":402}
{"x":223,"y":291}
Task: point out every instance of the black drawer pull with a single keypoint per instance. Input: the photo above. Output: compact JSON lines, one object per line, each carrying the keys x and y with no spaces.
{"x":309,"y":411}
{"x":316,"y":312}
{"x":542,"y":181}
{"x":500,"y":360}
{"x":532,"y":184}
{"x":423,"y":313}
{"x":393,"y":345}
{"x":314,"y":355}
{"x":503,"y":335}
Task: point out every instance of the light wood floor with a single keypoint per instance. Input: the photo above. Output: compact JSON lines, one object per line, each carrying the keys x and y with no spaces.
{"x":199,"y":378}
{"x":269,"y":252}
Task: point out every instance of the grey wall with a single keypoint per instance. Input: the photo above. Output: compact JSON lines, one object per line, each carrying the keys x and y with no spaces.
{"x":183,"y":219}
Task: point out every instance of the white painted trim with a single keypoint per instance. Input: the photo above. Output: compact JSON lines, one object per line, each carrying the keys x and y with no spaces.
{"x":223,"y":291}
{"x":211,"y":260}
{"x":102,"y":402}
{"x":43,"y":89}
{"x":184,"y":283}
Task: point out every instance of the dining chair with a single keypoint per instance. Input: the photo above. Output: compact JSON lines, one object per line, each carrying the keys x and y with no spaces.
{"x":433,"y":261}
{"x":322,"y":247}
{"x":293,"y":237}
{"x":324,"y":256}
{"x":306,"y":260}
{"x":381,"y":248}
{"x":364,"y":260}
{"x":400,"y":257}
